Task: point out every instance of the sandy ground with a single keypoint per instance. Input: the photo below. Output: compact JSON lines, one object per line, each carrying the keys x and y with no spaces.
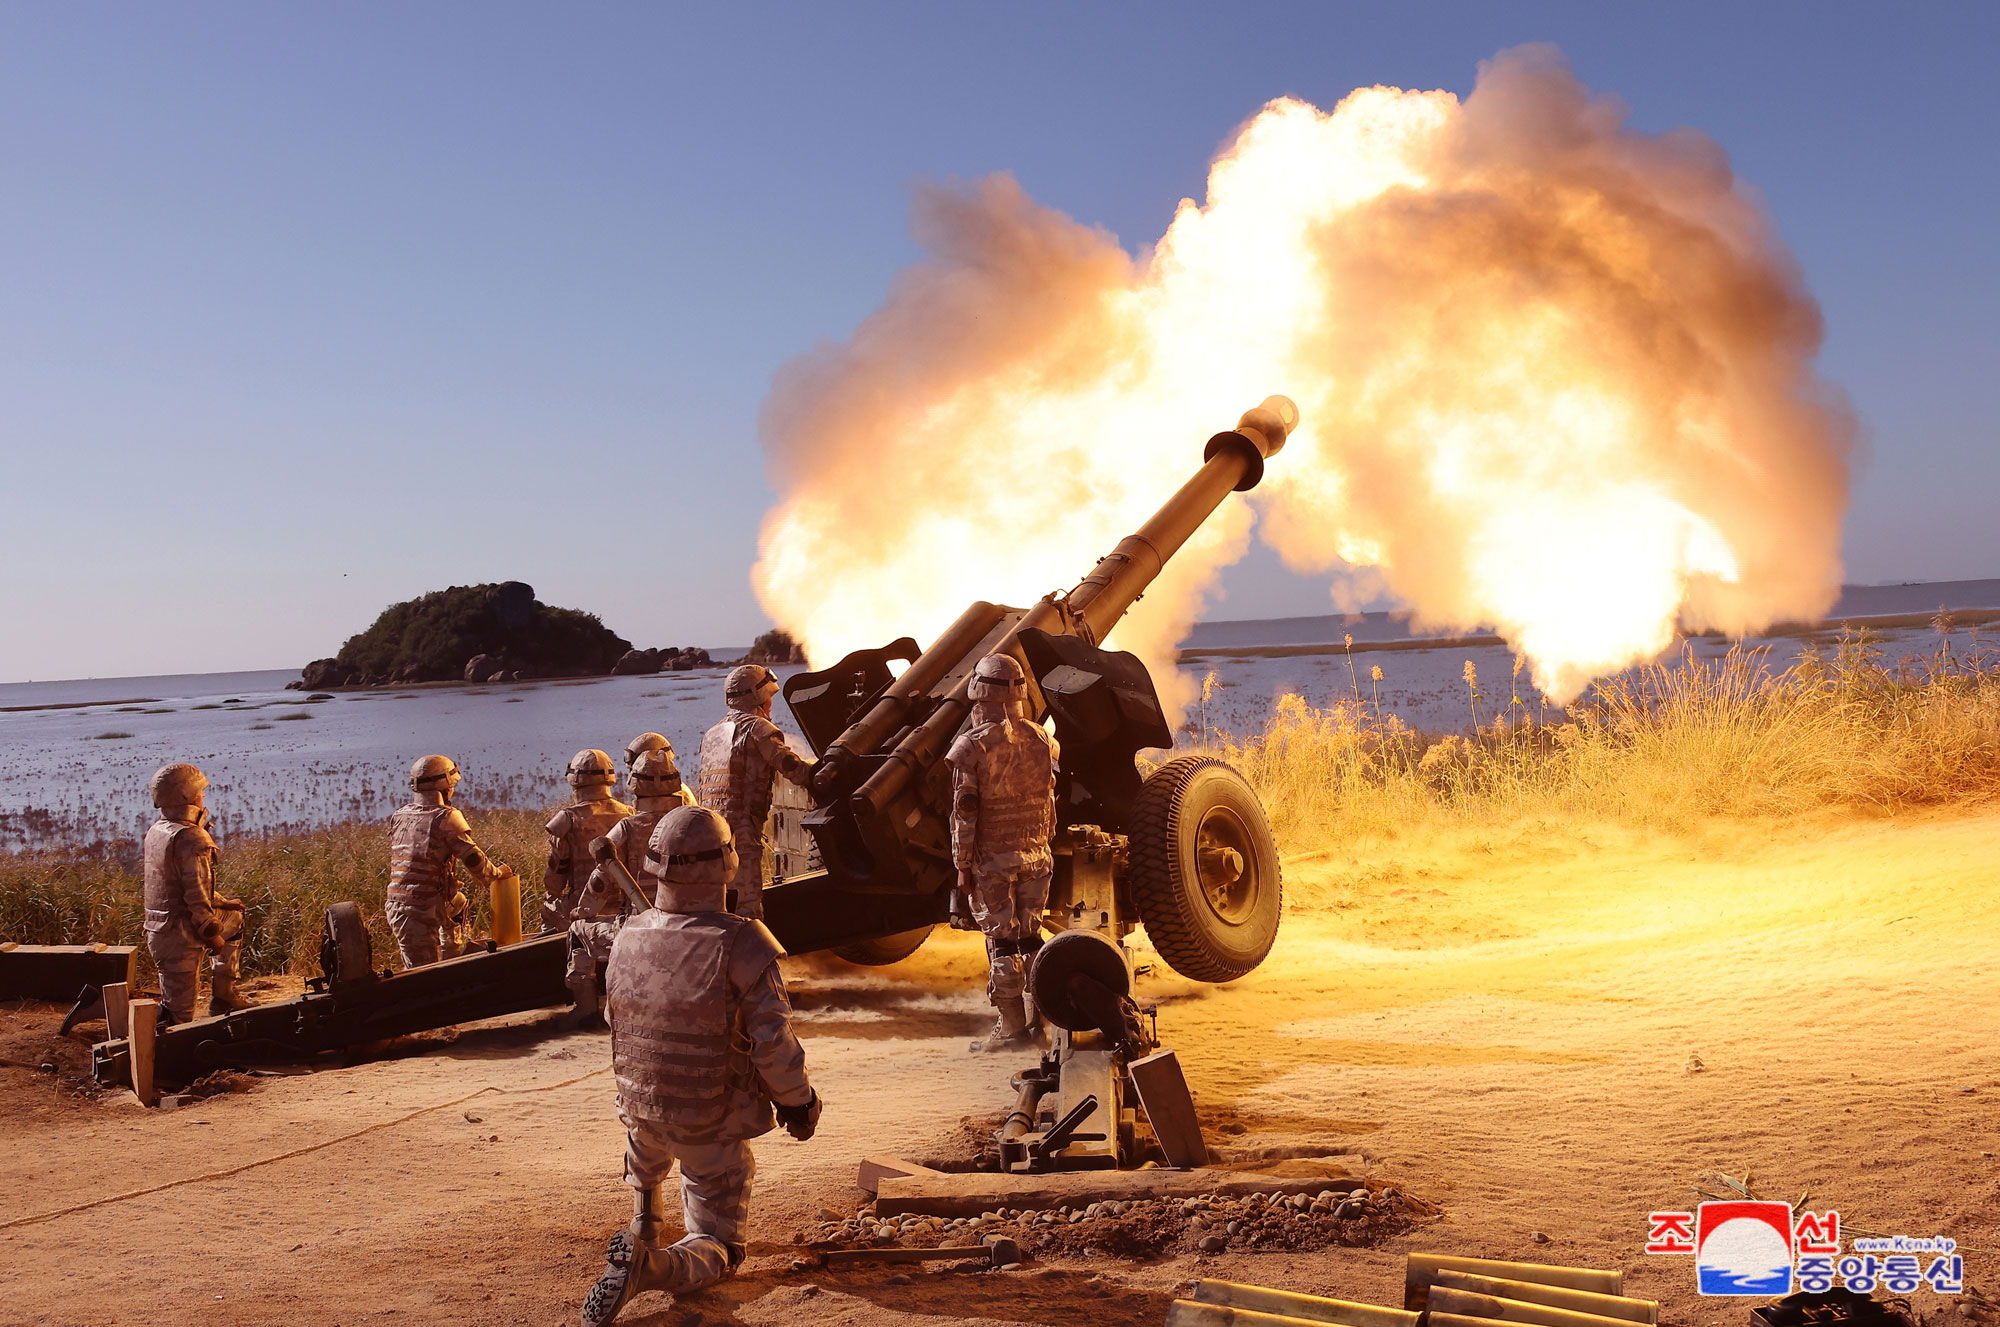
{"x":1504,"y":1026}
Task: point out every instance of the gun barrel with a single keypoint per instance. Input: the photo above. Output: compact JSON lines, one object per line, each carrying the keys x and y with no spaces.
{"x":1233,"y":462}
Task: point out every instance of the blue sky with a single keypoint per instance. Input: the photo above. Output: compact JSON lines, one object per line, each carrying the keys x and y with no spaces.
{"x":305,"y":310}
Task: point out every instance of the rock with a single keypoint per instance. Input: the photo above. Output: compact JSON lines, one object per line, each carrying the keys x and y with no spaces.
{"x":636,"y":663}
{"x":482,"y":668}
{"x":1350,"y":1209}
{"x":323,"y":673}
{"x":1213,"y":1244}
{"x":899,"y":1279}
{"x":885,"y":1234}
{"x":1538,"y":1237}
{"x":827,"y":1214}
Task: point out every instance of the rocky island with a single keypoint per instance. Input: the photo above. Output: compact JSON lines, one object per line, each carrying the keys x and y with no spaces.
{"x":486,"y":633}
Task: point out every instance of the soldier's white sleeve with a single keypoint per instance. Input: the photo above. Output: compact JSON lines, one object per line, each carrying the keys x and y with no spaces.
{"x":774,"y":1048}
{"x":458,"y":842}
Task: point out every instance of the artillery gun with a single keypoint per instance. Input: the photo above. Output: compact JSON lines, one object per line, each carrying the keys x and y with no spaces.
{"x":1184,"y":850}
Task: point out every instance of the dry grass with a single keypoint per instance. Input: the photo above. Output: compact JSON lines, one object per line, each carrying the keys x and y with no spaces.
{"x":1664,"y":748}
{"x":286,"y":883}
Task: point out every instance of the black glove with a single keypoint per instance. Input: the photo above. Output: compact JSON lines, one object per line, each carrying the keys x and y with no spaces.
{"x":800,"y":1121}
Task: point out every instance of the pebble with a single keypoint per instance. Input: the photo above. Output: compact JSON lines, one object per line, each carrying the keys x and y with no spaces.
{"x":1214,"y":1244}
{"x":1010,"y":1267}
{"x":1075,"y":1217}
{"x":885,"y":1234}
{"x":1538,"y":1237}
{"x":897,"y":1280}
{"x":1234,"y":1228}
{"x":1348,"y":1210}
{"x":1359,"y":1195}
{"x":827,"y":1214}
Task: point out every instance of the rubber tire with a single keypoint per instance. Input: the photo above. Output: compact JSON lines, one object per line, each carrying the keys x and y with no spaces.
{"x":886,"y":949}
{"x":353,"y":951}
{"x":1183,"y":925}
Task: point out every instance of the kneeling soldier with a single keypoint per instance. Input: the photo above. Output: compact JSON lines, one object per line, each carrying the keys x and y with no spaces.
{"x":184,"y":914}
{"x":702,"y":1045}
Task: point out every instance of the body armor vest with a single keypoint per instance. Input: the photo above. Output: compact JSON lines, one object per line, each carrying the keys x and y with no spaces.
{"x":417,"y":869}
{"x":677,"y":1047}
{"x":1015,"y":777}
{"x":734,"y":780}
{"x":166,"y":891}
{"x":589,"y":820}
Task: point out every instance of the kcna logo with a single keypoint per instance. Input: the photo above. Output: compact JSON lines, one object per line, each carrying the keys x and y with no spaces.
{"x":1745,"y":1247}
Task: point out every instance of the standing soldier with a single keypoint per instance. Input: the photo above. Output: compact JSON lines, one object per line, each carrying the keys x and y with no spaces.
{"x":1003,"y":782}
{"x":602,"y":907}
{"x":702,"y":1046}
{"x":740,"y":757}
{"x":184,"y":914}
{"x":428,"y":839}
{"x":571,"y":829}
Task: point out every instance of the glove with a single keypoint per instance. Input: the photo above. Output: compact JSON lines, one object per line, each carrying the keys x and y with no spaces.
{"x":211,"y":937}
{"x":801,"y":1122}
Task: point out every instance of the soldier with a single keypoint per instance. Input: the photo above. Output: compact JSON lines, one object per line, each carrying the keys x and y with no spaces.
{"x":1003,"y":779}
{"x":702,"y":1045}
{"x":739,"y":759}
{"x":571,"y":829}
{"x":639,"y":746}
{"x":428,"y":839}
{"x":184,"y":914}
{"x":602,"y":907}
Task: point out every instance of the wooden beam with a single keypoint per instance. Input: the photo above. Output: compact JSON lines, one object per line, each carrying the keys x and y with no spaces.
{"x":1421,"y":1272}
{"x":144,"y":1015}
{"x":875,"y":1169}
{"x":1163,"y":1091}
{"x":1581,"y":1301}
{"x":117,"y":1023}
{"x":971,"y":1194}
{"x":1446,"y":1302}
{"x":58,"y":972}
{"x":1292,"y":1304}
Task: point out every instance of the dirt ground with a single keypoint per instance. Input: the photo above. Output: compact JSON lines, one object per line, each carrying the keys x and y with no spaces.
{"x":1508,"y":1028}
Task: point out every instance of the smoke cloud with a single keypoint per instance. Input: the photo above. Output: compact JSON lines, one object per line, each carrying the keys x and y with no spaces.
{"x":1555,"y":375}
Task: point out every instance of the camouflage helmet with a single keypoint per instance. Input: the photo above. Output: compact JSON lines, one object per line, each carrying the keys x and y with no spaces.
{"x":692,"y":854}
{"x":434,"y":774}
{"x":177,"y":785}
{"x":656,"y":774}
{"x":643,"y":743}
{"x":749,"y":686}
{"x":997,"y":678}
{"x":591,"y":768}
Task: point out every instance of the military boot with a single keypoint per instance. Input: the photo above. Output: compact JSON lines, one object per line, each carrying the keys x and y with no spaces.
{"x":224,"y":998}
{"x":1010,"y":1027}
{"x":625,"y":1260}
{"x":584,"y":1015}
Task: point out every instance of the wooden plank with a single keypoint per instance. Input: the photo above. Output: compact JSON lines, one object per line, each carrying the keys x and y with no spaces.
{"x":58,"y":972}
{"x":1192,"y":1313}
{"x":1293,"y":1304}
{"x":971,"y":1194}
{"x":1422,"y":1269}
{"x":144,"y":1015}
{"x":1446,"y":1302}
{"x":875,"y":1169}
{"x":1163,"y":1091}
{"x":117,"y":1026}
{"x":1582,"y":1301}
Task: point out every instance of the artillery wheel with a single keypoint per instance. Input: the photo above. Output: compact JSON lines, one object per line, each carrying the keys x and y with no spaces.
{"x":1073,"y":954}
{"x":1204,"y":869}
{"x":885,"y":949}
{"x":346,"y":955}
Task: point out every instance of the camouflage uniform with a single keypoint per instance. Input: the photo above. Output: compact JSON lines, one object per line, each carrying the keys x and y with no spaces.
{"x":739,"y":759}
{"x":180,"y":912}
{"x":570,"y":833}
{"x":427,"y":912}
{"x":702,"y":1044}
{"x":602,"y":907}
{"x":1003,"y":773}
